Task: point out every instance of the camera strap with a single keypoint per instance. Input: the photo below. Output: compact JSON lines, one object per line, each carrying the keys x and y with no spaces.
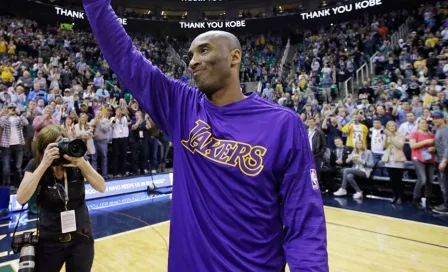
{"x":68,"y":217}
{"x":66,"y":189}
{"x":18,"y":220}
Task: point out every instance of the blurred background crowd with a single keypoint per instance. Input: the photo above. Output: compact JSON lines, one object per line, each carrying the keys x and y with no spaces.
{"x":52,"y":75}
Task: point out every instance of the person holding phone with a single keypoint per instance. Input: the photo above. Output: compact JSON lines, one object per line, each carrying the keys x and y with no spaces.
{"x":422,"y":144}
{"x":65,"y":231}
{"x":362,"y":164}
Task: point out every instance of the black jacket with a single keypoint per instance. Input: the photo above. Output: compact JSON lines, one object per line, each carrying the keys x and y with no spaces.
{"x":319,"y":143}
{"x":345,"y":152}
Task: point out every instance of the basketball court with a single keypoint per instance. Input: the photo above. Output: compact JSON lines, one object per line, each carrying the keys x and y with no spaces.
{"x":132,"y":234}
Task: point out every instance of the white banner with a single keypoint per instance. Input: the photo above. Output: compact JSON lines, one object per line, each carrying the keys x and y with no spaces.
{"x":80,"y":14}
{"x":340,"y":9}
{"x":213,"y":25}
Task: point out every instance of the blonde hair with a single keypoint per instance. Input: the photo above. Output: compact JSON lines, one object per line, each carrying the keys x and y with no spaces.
{"x":86,"y":124}
{"x":356,"y":149}
{"x":392,"y":123}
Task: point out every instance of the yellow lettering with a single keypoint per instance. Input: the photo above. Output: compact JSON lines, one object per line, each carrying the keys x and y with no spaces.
{"x":249,"y":159}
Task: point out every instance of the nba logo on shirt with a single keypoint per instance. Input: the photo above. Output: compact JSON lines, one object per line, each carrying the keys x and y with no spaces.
{"x":314,"y":180}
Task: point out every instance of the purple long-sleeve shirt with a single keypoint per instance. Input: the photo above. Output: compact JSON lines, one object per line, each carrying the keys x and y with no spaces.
{"x":245,"y":196}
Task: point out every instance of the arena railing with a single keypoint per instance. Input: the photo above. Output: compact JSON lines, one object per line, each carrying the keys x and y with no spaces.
{"x":176,"y":57}
{"x":285,"y":56}
{"x":364,"y":71}
{"x":345,"y":85}
{"x":401,"y":33}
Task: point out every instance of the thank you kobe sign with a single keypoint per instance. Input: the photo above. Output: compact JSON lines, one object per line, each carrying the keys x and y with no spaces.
{"x":75,"y":14}
{"x":213,"y":25}
{"x":341,"y":9}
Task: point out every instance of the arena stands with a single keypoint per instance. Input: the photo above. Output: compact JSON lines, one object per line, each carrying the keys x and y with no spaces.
{"x":58,"y":76}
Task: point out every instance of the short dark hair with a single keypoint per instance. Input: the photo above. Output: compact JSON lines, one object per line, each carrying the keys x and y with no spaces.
{"x":337,"y":138}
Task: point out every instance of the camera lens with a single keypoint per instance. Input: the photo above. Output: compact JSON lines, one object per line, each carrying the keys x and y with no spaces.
{"x":76,"y":148}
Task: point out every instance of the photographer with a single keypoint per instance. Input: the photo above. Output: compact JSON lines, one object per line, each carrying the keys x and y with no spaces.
{"x":65,"y":232}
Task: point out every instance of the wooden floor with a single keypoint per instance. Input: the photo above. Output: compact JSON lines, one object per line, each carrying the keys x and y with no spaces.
{"x":356,"y":242}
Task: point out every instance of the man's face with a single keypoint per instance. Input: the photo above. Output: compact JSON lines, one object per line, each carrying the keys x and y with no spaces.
{"x":410,"y":117}
{"x":377,"y":124}
{"x":437,"y":121}
{"x":311,"y":122}
{"x":405,"y":106}
{"x":338,"y":143}
{"x":211,"y":60}
{"x":32,"y":105}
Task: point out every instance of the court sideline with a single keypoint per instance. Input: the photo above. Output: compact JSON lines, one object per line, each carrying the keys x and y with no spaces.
{"x":357,"y":241}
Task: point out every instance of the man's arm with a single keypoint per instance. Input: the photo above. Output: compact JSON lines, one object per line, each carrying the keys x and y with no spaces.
{"x":302,"y":211}
{"x":160,"y":96}
{"x":445,"y":144}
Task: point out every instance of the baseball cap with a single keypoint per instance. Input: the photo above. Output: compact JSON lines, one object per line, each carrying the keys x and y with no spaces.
{"x":12,"y":105}
{"x":437,"y":114}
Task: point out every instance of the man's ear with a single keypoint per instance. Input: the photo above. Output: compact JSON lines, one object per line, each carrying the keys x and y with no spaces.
{"x":235,"y":57}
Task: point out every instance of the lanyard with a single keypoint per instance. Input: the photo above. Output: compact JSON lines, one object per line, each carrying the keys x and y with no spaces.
{"x":65,"y":198}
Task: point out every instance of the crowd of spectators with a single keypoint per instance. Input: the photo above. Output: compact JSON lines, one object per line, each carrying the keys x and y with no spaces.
{"x":58,"y":76}
{"x":386,"y":130}
{"x":324,"y":58}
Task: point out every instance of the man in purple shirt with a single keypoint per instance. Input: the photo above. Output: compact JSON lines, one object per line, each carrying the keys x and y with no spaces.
{"x":246,"y":195}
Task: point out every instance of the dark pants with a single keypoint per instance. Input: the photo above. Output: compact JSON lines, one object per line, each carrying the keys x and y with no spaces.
{"x":139,"y":164}
{"x":153,"y":149}
{"x":119,"y":152}
{"x":101,"y":153}
{"x":407,"y":151}
{"x":16,"y":153}
{"x":328,"y":174}
{"x":382,"y":172}
{"x":318,"y":161}
{"x":77,"y":256}
{"x":164,"y":148}
{"x":396,"y":177}
{"x":443,"y":182}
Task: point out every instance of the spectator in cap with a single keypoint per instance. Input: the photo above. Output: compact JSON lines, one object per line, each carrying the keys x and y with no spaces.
{"x":69,"y":99}
{"x":12,"y":143}
{"x":5,"y":95}
{"x":441,"y":148}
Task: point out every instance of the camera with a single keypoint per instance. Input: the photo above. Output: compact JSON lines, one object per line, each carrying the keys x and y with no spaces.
{"x":76,"y":149}
{"x":24,"y":240}
{"x":25,"y":244}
